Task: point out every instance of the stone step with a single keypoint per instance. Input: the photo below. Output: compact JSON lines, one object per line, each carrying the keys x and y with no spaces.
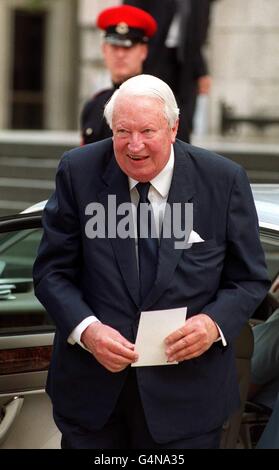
{"x":260,"y":159}
{"x":253,"y":161}
{"x":15,"y":167}
{"x":15,"y":189}
{"x":28,"y":163}
{"x":37,"y":144}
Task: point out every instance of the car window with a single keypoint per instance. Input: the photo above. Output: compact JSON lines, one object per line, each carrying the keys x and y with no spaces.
{"x":20,"y":311}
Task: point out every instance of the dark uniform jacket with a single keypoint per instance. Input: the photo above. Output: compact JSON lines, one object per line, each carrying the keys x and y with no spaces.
{"x":93,"y":124}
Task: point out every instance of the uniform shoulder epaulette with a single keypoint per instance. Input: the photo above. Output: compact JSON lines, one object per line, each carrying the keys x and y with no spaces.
{"x":92,"y":123}
{"x":100,"y":93}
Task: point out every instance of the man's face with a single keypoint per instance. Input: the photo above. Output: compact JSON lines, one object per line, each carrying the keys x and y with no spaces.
{"x":142,"y":137}
{"x":124,"y":62}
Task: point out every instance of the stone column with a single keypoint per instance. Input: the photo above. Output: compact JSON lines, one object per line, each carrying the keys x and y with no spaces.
{"x":62,"y":66}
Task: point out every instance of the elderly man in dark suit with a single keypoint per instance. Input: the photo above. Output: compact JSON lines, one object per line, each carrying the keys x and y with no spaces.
{"x":95,"y":278}
{"x":176,"y":52}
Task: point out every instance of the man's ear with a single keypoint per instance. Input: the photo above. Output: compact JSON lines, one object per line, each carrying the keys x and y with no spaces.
{"x":174,"y":131}
{"x":103,"y":46}
{"x":144,"y":51}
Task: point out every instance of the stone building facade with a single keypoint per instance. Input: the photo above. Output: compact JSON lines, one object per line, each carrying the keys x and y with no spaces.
{"x":242,"y":51}
{"x":243,"y":54}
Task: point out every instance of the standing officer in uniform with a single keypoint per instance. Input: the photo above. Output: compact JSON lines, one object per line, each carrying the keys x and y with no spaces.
{"x":175,"y":53}
{"x":127,"y":31}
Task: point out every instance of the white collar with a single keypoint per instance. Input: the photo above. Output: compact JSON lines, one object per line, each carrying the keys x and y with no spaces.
{"x":162,"y":181}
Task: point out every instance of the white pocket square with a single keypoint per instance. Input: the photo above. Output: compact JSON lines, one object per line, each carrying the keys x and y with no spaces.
{"x":195,"y":238}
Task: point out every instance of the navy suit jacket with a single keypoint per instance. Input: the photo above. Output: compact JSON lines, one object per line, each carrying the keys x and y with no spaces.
{"x":225,"y":277}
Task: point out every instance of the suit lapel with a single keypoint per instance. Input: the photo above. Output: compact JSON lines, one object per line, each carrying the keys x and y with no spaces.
{"x":181,"y":191}
{"x":116,"y":183}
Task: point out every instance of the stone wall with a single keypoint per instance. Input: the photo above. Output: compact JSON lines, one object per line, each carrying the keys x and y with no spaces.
{"x":242,"y":51}
{"x":243,"y":54}
{"x":243,"y":57}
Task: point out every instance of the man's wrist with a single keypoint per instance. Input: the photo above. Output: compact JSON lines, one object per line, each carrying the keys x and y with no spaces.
{"x":75,"y":336}
{"x":88,"y":331}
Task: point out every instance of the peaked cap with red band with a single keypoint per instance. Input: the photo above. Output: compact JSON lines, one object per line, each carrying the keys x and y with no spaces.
{"x":126,"y":25}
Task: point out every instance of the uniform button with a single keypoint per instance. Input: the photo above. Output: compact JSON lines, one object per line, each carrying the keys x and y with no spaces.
{"x":89,"y":131}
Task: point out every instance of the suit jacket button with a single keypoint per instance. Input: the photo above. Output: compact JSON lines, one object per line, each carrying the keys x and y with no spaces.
{"x":89,"y":131}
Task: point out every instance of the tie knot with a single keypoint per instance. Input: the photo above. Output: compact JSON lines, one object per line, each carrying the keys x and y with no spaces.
{"x":143,"y":189}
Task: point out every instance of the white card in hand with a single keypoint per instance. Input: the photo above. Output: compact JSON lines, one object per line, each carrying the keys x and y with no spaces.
{"x":154,"y":327}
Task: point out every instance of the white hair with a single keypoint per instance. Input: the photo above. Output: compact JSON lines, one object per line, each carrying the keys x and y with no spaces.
{"x":145,"y":85}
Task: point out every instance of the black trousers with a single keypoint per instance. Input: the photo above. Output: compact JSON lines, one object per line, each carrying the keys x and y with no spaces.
{"x":127,"y":428}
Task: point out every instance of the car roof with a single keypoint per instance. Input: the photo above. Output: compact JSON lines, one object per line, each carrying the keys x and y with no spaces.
{"x":266,"y":198}
{"x":38,"y":207}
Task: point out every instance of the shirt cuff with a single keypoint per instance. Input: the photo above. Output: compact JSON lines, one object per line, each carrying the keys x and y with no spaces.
{"x":221,"y":336}
{"x":75,"y":336}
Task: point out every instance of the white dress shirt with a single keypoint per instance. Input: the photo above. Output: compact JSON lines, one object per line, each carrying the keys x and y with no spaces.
{"x":157,"y":195}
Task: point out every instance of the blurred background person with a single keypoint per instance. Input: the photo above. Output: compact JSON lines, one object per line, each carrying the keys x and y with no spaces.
{"x":175,"y":52}
{"x":264,"y":388}
{"x":127,"y":30}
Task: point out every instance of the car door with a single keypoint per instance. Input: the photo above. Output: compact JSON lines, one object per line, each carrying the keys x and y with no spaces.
{"x":26,"y":336}
{"x":270,"y":243}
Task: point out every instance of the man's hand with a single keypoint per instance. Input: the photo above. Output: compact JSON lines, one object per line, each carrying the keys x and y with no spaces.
{"x":108,"y":346}
{"x":192,"y":339}
{"x":204,"y":85}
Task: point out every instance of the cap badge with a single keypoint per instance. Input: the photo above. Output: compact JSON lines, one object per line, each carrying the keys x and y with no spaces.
{"x":89,"y":131}
{"x":122,"y":28}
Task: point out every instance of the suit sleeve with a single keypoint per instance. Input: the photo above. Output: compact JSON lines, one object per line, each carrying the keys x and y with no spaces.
{"x":56,"y":270}
{"x":244,"y":280}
